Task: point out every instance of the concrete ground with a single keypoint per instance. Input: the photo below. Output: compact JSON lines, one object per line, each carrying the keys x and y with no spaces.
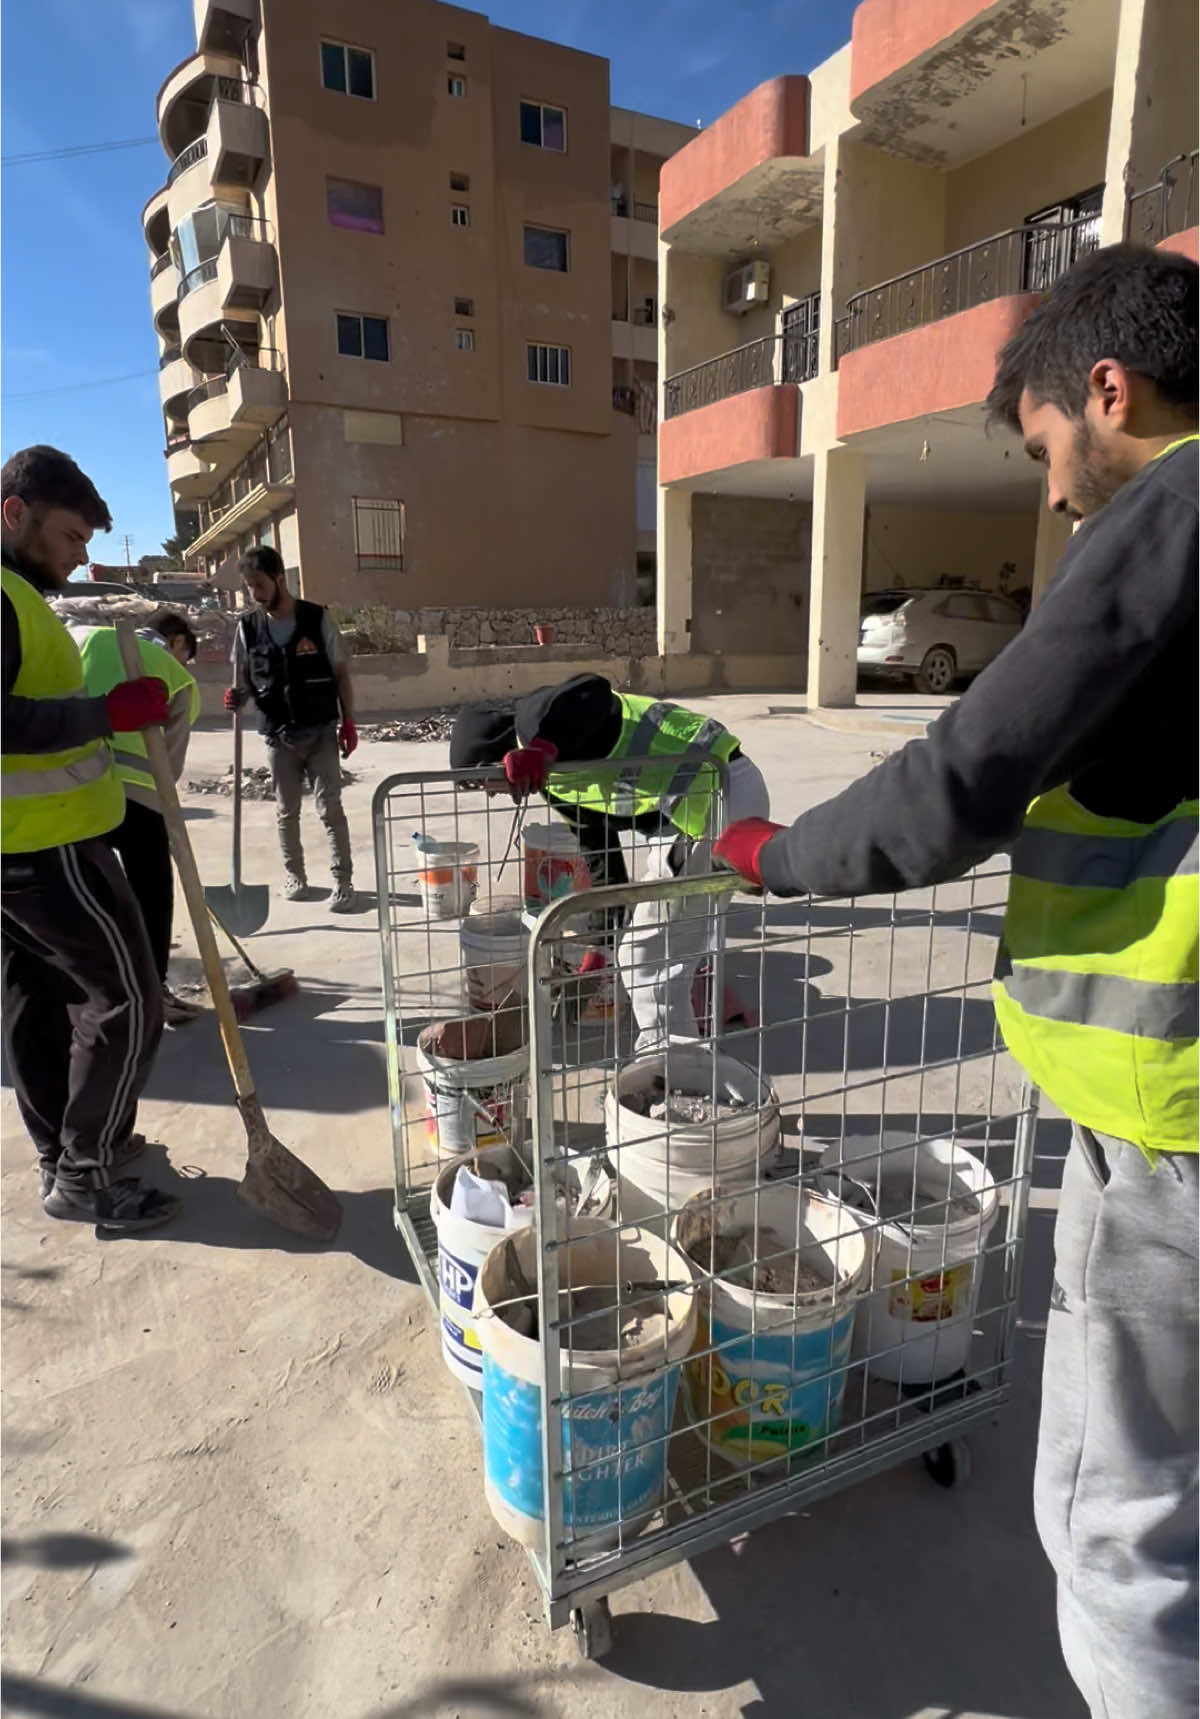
{"x":238,"y":1480}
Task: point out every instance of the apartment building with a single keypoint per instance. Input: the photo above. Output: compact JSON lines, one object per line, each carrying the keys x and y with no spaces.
{"x":403,"y":272}
{"x":841,"y":257}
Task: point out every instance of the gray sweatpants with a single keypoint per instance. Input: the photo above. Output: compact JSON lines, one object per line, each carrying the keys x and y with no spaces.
{"x":313,"y":753}
{"x":1115,"y":1490}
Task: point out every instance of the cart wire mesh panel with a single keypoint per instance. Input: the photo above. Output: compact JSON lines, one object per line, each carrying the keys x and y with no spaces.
{"x":764,"y":1172}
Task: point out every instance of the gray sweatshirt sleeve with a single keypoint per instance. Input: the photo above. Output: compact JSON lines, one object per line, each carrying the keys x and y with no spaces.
{"x":1124,"y":598}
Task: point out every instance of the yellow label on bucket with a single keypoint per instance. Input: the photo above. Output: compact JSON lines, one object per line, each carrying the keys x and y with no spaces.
{"x":925,"y":1300}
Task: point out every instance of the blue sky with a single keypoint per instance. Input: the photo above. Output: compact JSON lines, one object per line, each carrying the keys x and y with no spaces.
{"x":75,"y":281}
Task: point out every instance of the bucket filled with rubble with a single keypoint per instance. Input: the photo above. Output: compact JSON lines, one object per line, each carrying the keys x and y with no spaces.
{"x":475,"y":1071}
{"x":779,"y":1276}
{"x":476,"y":1200}
{"x":627,"y":1308}
{"x":927,"y":1210}
{"x":684,"y":1119}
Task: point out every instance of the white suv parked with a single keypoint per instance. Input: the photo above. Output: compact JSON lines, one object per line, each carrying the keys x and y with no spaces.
{"x":934,"y":636}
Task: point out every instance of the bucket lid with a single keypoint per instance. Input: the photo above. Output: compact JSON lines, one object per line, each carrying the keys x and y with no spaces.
{"x":489,"y":906}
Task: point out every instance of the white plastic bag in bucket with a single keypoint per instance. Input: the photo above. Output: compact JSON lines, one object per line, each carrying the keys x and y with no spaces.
{"x":779,"y":1274}
{"x":660,"y":1164}
{"x":447,"y":875}
{"x":934,"y":1205}
{"x":474,"y":1103}
{"x":495,"y":948}
{"x":621,"y":1401}
{"x":464,"y":1243}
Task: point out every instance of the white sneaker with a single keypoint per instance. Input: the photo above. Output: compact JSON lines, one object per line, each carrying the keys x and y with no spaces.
{"x":295,"y":888}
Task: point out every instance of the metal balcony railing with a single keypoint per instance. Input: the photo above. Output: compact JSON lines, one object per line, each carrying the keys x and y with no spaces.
{"x":205,"y":271}
{"x":169,"y":355}
{"x":270,"y":462}
{"x":187,"y":158}
{"x":159,"y":264}
{"x":646,"y":212}
{"x":1023,"y":259}
{"x":746,"y":367}
{"x":211,"y":388}
{"x":1168,"y":206}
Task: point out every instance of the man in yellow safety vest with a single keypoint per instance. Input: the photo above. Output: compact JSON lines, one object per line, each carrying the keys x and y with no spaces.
{"x":167,"y":644}
{"x":1076,"y":750}
{"x":82,"y":1004}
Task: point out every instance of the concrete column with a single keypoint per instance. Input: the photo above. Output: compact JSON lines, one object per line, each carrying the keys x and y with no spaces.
{"x":674,"y":572}
{"x":1053,"y":534}
{"x":839,"y":498}
{"x":1154,"y":102}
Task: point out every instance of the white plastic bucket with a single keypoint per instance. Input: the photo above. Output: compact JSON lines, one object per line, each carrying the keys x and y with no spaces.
{"x":621,"y":1404}
{"x":661,"y":1165}
{"x":915,"y":1323}
{"x":495,"y":947}
{"x":464,"y":1244}
{"x":474,"y":1104}
{"x":447,"y":876}
{"x":773,"y":1386}
{"x":553,"y":864}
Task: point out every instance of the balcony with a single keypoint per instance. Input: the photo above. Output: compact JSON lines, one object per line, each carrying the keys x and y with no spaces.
{"x":750,"y":172}
{"x":634,"y":228}
{"x":634,"y":335}
{"x":225,"y":26}
{"x":156,"y":221}
{"x":187,"y":93}
{"x":228,"y":412}
{"x":257,"y":488}
{"x":1166,"y":209}
{"x":737,"y":410}
{"x":942,"y":83}
{"x":164,"y":299}
{"x":190,"y":478}
{"x":175,"y":377}
{"x":240,"y":278}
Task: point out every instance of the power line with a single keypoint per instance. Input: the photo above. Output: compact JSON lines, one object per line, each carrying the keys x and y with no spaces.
{"x":71,"y":387}
{"x":73,"y":151}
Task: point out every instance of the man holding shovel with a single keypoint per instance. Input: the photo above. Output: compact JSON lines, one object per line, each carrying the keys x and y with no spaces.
{"x":290,"y":658}
{"x":82,"y":1002}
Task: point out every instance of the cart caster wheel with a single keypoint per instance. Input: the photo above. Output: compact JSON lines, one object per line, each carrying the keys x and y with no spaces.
{"x":592,"y":1628}
{"x":949,"y":1464}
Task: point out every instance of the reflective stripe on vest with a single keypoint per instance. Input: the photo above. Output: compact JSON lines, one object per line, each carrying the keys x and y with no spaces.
{"x":1097,"y":990}
{"x":51,"y":799}
{"x":680,"y":789}
{"x":103,"y":667}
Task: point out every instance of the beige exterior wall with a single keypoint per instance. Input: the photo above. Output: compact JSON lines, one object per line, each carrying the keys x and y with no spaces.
{"x":919,"y":545}
{"x":1040,"y":166}
{"x":750,"y":563}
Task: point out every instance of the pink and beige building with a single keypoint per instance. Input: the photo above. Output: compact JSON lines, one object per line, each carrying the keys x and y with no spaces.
{"x":841,"y":256}
{"x":403,"y":271}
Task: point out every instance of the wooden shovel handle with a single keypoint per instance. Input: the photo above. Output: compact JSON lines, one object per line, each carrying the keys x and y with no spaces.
{"x":189,"y":877}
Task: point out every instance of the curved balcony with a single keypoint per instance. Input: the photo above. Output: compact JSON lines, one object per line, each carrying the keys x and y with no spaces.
{"x":188,"y":181}
{"x":232,"y":286}
{"x":222,"y":26}
{"x":190,"y":478}
{"x":175,"y":377}
{"x":226,"y":414}
{"x":164,"y":301}
{"x":156,"y":221}
{"x":739,"y":410}
{"x":186,"y":94}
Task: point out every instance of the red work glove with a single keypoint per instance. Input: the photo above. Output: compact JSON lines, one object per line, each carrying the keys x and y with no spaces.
{"x":742,"y":844}
{"x":528,"y":767}
{"x":595,"y":961}
{"x":233,"y":699}
{"x":134,"y":704}
{"x":347,"y":737}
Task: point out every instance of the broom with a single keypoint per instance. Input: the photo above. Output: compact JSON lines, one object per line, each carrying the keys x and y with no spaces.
{"x":264,"y":988}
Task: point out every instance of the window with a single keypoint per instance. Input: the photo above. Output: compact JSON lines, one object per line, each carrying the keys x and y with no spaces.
{"x":544,"y":127}
{"x":359,"y":207}
{"x":550,"y":364}
{"x":379,"y":535}
{"x":456,"y":50}
{"x":460,"y":182}
{"x":545,"y":249}
{"x":965,"y":607}
{"x":456,"y":86}
{"x":464,"y":307}
{"x":350,"y":71}
{"x":1058,"y":236}
{"x":362,"y":336}
{"x":460,"y":215}
{"x":1000,"y":610}
{"x":464,"y":339}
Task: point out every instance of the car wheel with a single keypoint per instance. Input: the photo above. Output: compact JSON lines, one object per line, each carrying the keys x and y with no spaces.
{"x":938,"y":670}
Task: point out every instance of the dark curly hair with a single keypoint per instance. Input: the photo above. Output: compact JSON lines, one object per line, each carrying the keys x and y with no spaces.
{"x":46,"y":477}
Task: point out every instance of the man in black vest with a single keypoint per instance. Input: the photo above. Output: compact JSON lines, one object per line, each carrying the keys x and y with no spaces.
{"x":290,"y":658}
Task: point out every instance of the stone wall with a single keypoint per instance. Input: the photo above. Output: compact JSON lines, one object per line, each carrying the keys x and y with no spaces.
{"x":606,"y":632}
{"x":750,"y":573}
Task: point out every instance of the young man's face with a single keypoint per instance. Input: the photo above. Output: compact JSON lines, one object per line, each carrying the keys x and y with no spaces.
{"x":52,"y":540}
{"x":1083,"y":456}
{"x":263,"y":590}
{"x":178,"y":647}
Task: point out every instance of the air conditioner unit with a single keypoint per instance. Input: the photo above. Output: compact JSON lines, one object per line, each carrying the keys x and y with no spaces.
{"x":745,"y":287}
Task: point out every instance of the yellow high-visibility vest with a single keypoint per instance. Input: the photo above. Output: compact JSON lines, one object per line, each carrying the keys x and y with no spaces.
{"x":103,"y":668}
{"x":52,"y":798}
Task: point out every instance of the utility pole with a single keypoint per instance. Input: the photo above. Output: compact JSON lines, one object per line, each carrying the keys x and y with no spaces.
{"x":128,"y":548}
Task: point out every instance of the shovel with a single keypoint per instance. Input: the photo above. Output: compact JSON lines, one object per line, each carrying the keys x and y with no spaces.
{"x":243,"y":907}
{"x":276,"y":1183}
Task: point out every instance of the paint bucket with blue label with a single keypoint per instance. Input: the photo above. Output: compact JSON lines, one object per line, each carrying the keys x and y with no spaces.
{"x":622,"y":1346}
{"x":779,"y":1276}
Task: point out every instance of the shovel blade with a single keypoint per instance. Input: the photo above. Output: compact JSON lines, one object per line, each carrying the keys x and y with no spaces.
{"x":243,"y":910}
{"x":279,"y":1187}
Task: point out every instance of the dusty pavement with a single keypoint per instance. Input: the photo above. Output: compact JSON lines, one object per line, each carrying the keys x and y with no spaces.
{"x":238,"y":1480}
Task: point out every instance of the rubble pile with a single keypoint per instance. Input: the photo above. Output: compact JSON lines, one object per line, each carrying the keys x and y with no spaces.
{"x":214,"y":628}
{"x":256,"y":783}
{"x":436,"y":726}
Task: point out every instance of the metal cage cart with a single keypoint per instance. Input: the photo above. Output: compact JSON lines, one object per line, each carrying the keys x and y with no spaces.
{"x":768,"y":1257}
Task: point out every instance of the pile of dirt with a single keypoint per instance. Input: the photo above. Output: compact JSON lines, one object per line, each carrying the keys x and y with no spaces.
{"x":774,"y":1268}
{"x":256,"y":783}
{"x":679,"y":1105}
{"x":436,"y":726}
